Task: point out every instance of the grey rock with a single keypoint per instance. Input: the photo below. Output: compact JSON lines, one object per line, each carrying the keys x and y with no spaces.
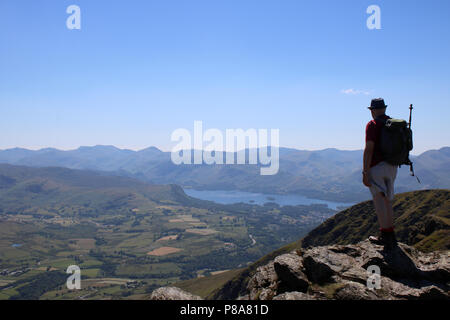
{"x":395,"y":263}
{"x":355,"y":274}
{"x":294,"y":295}
{"x":321,"y":263}
{"x":433,"y":293}
{"x":340,"y":272}
{"x":263,"y":285}
{"x":354,"y":291}
{"x":411,"y":290}
{"x":172,"y":293}
{"x":288,"y":268}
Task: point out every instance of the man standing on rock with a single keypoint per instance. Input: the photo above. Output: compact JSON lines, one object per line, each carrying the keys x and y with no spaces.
{"x":379,"y":176}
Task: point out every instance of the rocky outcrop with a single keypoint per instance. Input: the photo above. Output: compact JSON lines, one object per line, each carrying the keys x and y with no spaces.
{"x":289,"y":269}
{"x":344,"y":272}
{"x":172,"y":293}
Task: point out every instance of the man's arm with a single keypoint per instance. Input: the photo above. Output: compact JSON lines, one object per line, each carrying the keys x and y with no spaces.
{"x":368,"y":153}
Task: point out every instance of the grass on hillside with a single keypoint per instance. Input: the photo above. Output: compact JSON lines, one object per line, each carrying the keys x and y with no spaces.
{"x":421,"y":220}
{"x":204,"y":286}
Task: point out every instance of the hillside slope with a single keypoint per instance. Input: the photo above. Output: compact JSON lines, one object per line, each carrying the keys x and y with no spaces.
{"x":422,"y":219}
{"x":22,"y":188}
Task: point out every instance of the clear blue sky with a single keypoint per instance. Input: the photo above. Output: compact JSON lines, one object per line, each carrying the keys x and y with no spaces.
{"x":137,"y":70}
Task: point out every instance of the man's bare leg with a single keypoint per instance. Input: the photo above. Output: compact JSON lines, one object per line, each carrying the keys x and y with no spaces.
{"x":389,"y":213}
{"x":379,"y":201}
{"x":385,"y":214}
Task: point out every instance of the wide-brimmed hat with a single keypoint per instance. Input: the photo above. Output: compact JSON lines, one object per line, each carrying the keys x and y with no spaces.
{"x":377,"y":103}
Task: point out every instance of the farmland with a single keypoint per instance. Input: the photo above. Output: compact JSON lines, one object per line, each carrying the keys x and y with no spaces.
{"x":128,"y":238}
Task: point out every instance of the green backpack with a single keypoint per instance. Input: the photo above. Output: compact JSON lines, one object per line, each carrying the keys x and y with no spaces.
{"x":396,"y":141}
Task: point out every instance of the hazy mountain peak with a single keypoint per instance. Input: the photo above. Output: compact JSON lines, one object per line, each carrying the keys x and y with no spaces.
{"x":48,"y":150}
{"x":151,"y":149}
{"x":99,"y":147}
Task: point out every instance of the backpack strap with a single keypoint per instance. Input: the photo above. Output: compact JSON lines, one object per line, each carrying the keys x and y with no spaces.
{"x":381,"y":119}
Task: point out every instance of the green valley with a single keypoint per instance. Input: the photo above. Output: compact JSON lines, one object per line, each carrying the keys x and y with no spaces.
{"x":128,"y":237}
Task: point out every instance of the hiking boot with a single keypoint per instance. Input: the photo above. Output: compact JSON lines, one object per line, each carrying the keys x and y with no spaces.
{"x":390,"y":241}
{"x":379,"y":240}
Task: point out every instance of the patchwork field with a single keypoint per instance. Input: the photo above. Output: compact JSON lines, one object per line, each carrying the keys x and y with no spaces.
{"x":163,"y":251}
{"x":167,"y":238}
{"x":203,"y":232}
{"x":84,"y":244}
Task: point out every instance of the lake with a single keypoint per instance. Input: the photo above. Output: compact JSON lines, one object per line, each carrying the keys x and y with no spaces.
{"x":233,"y":196}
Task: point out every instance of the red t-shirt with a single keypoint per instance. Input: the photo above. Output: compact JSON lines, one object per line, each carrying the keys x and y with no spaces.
{"x":373,"y":130}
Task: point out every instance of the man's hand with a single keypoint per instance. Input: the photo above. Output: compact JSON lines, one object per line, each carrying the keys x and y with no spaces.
{"x":366,"y":179}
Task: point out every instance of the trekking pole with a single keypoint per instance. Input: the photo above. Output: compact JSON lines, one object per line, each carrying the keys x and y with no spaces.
{"x":411,"y":168}
{"x":410,"y":114}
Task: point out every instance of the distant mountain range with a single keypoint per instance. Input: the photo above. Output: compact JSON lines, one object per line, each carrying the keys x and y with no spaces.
{"x":328,"y":174}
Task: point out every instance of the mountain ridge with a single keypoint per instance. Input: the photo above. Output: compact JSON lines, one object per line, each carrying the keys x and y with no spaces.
{"x":328,"y":174}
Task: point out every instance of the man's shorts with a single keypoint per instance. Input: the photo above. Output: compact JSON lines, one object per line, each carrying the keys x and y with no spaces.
{"x":382,"y":177}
